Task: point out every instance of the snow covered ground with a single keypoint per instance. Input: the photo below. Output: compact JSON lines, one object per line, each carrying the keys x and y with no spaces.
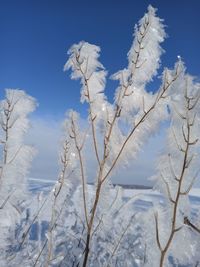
{"x":142,"y":198}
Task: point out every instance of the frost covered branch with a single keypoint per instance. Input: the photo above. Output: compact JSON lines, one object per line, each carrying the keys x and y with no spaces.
{"x":177,"y":174}
{"x":130,"y":98}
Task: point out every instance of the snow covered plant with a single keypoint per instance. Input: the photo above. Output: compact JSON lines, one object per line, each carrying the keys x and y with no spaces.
{"x":15,"y":161}
{"x":119,"y":129}
{"x":80,"y":224}
{"x":178,"y":168}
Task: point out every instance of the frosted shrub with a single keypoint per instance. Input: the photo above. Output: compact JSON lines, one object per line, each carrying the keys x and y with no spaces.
{"x":15,"y":162}
{"x":177,"y":171}
{"x":133,"y":109}
{"x":94,"y":225}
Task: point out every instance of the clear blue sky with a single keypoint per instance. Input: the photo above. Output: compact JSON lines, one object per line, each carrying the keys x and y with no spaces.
{"x":36,"y":34}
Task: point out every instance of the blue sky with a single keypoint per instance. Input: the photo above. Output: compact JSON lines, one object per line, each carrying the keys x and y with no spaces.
{"x":35,"y":37}
{"x":36,"y":34}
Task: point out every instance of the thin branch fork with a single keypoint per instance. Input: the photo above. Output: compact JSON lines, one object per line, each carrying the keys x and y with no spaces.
{"x":184,"y":135}
{"x":186,"y":192}
{"x":159,"y":96}
{"x":189,"y":160}
{"x":179,"y":114}
{"x":172,"y":169}
{"x":195,"y":103}
{"x":176,"y":141}
{"x":90,"y":110}
{"x":168,"y":189}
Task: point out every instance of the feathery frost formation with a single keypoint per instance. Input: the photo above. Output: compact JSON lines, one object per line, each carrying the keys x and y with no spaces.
{"x":15,"y":161}
{"x":132,"y":102}
{"x":178,"y":168}
{"x":79,"y":224}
